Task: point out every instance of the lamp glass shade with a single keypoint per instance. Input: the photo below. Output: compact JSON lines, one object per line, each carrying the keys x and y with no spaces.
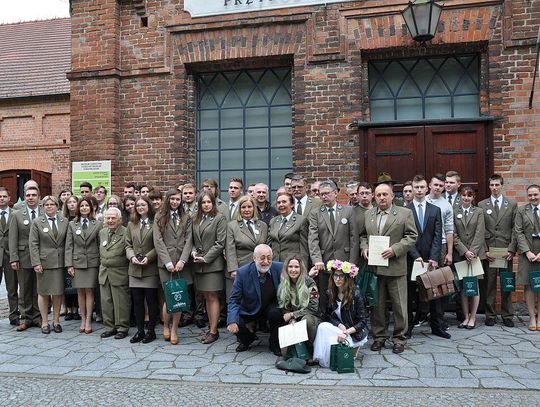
{"x":422,"y":19}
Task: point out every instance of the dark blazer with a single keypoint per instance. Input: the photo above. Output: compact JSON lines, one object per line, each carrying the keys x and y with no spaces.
{"x":429,"y":242}
{"x":245,"y":297}
{"x":352,"y":315}
{"x":141,"y":241}
{"x":291,"y":239}
{"x":45,"y":249}
{"x":210,"y":239}
{"x":82,"y":249}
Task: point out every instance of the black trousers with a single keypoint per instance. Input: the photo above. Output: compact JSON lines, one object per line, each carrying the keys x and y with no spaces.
{"x":139,"y":296}
{"x":248,"y":326}
{"x":436,"y":310}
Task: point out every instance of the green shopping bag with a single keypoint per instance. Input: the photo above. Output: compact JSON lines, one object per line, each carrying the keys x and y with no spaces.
{"x":341,"y":358}
{"x":367,"y":283}
{"x":298,"y":350}
{"x":508,"y":281}
{"x":176,"y":295}
{"x":534,"y":280}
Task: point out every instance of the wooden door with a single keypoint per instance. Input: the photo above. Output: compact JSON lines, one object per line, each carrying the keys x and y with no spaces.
{"x":406,"y":151}
{"x":8,"y":179}
{"x":44,"y":181}
{"x":396,"y":150}
{"x":461,"y":148}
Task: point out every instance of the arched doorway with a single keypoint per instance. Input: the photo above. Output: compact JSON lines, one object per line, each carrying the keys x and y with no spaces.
{"x":14,"y":181}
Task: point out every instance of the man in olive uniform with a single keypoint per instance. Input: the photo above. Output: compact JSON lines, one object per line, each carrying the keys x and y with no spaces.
{"x":5,"y":268}
{"x":19,"y":257}
{"x":113,"y":276}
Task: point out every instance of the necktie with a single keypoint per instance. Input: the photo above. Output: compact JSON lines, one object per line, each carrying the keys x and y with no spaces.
{"x":421,"y":217}
{"x":3,"y":220}
{"x":283,"y":223}
{"x":175,"y":219}
{"x":496,"y":207}
{"x":332,"y":219}
{"x":54,"y":228}
{"x":250,"y":229}
{"x":33,"y":214}
{"x":466,"y":213}
{"x":381,"y":223}
{"x":450,"y":199}
{"x":143,"y":224}
{"x":536,"y":221}
{"x":299,"y":207}
{"x":84,"y":226}
{"x":231,"y":210}
{"x":262,"y":278}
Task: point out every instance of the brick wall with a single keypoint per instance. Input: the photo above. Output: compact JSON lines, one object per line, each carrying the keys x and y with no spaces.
{"x":132,"y":89}
{"x":35,"y":134}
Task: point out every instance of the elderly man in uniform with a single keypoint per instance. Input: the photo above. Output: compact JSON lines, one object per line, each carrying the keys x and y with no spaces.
{"x":398,"y":223}
{"x":113,"y":276}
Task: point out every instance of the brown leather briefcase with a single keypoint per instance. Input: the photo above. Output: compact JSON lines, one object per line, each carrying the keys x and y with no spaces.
{"x":436,"y":284}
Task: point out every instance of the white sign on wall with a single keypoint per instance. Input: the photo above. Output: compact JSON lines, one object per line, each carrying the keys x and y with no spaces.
{"x":202,"y":8}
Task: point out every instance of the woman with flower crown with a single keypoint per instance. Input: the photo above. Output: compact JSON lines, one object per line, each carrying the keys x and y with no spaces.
{"x":346,"y":315}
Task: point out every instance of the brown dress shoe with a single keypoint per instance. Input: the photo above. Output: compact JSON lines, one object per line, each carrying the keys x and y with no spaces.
{"x":398,"y":348}
{"x":22,"y":327}
{"x":377,"y":346}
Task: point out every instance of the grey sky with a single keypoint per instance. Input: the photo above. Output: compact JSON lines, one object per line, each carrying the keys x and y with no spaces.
{"x":13,"y":11}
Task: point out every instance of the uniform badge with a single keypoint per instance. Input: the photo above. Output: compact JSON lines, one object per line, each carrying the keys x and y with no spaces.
{"x":459,"y":216}
{"x":489,"y":211}
{"x":344,"y":221}
{"x":45,"y":230}
{"x":26,"y":222}
{"x":78,"y":232}
{"x":104,"y":243}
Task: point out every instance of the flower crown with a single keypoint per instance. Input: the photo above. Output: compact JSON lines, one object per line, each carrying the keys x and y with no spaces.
{"x":343,"y":266}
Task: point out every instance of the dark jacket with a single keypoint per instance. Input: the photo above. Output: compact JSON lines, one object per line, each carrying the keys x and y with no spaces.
{"x":267,"y":213}
{"x":353,"y":315}
{"x":429,"y":242}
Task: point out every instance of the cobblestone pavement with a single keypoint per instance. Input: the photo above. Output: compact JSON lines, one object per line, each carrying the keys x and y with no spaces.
{"x":483,"y":358}
{"x":37,"y":390}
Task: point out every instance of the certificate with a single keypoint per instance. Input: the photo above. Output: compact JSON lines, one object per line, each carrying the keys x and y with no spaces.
{"x":419,"y":267}
{"x":377,"y":244}
{"x":292,"y":334}
{"x":463,"y":270}
{"x":500,"y":254}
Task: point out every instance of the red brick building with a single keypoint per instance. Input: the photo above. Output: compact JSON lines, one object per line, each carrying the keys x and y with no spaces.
{"x":168,"y":97}
{"x":34,"y":105}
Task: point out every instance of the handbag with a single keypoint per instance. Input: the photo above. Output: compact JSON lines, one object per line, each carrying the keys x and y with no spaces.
{"x":470,"y":284}
{"x":367,"y":283}
{"x":298,"y":350}
{"x":342,"y":358}
{"x":534,"y":280}
{"x":508,"y":281}
{"x":176,"y":295}
{"x":68,"y":285}
{"x":436,"y":283}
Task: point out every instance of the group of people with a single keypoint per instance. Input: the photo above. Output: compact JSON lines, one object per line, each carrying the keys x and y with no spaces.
{"x":251,"y":265}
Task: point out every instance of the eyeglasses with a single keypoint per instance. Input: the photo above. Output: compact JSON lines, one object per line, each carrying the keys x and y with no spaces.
{"x":338,"y":276}
{"x":314,"y":190}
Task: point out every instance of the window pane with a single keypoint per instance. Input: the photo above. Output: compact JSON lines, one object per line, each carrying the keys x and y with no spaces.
{"x":438,"y":108}
{"x":257,"y":137}
{"x":232,"y":138}
{"x":382,"y":110}
{"x":232,"y":159}
{"x":256,"y":117}
{"x":208,"y":119}
{"x":281,"y":136}
{"x":253,"y":177}
{"x":409,"y":109}
{"x":232,"y":118}
{"x":208,"y":160}
{"x":281,"y":157}
{"x":281,"y":116}
{"x":256,"y":159}
{"x":208,"y":140}
{"x":466,"y":106}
